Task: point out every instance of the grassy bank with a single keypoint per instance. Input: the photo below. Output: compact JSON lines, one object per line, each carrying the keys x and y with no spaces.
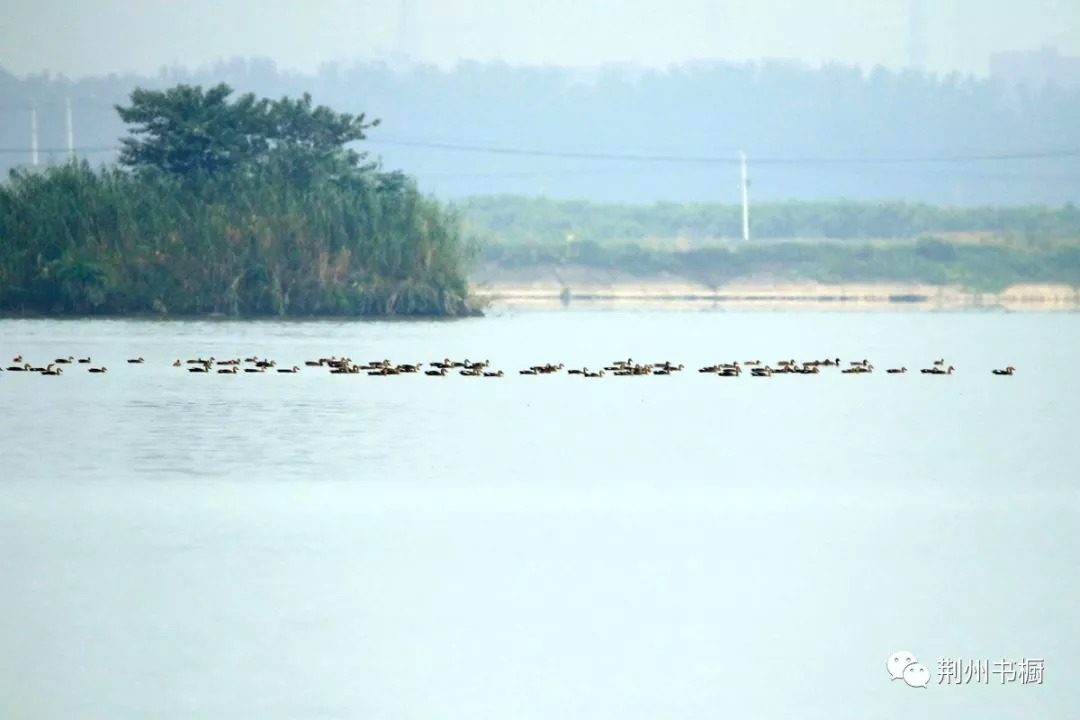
{"x":102,"y":242}
{"x":978,"y":268}
{"x":543,"y":221}
{"x":246,"y":208}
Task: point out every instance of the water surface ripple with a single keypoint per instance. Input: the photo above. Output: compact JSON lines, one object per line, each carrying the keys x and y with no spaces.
{"x":313,"y":546}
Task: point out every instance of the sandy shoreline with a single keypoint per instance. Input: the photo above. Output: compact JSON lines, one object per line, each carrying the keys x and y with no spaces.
{"x":666,"y":294}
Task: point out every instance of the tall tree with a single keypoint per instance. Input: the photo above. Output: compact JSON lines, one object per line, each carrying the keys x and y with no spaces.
{"x":192,"y":133}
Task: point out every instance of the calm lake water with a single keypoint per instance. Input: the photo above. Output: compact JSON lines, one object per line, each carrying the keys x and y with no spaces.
{"x":279,"y":546}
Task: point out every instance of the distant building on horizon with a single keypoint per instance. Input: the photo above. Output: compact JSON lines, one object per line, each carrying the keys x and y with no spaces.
{"x":1036,"y":68}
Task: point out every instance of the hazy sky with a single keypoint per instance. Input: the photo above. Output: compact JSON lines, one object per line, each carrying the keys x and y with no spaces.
{"x":89,"y":37}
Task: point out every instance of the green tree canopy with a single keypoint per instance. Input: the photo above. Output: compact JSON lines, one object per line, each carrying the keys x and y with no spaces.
{"x":191,"y":133}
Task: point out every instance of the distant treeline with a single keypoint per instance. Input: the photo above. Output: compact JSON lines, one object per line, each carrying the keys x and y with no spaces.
{"x":980,"y":268}
{"x":794,"y":122}
{"x":252,"y":207}
{"x":512,"y":220}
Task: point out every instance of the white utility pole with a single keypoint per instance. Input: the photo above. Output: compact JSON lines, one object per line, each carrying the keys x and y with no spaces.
{"x":745,"y":182}
{"x":70,"y":132}
{"x":33,"y":135}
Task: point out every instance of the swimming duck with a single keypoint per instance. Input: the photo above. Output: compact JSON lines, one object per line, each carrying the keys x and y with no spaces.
{"x":50,"y":371}
{"x":1007,"y":371}
{"x":230,"y":371}
{"x":493,"y":374}
{"x":25,"y":367}
{"x":64,"y":361}
{"x":175,"y":364}
{"x":894,"y":371}
{"x":96,"y":370}
{"x":434,"y":373}
{"x":293,"y":369}
{"x":136,"y":360}
{"x":670,"y":368}
{"x":598,"y":373}
{"x":938,"y":371}
{"x":17,"y":359}
{"x":85,"y":360}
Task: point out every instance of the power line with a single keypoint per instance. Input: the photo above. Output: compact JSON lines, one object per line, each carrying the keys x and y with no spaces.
{"x":553,"y":174}
{"x":734,"y":160}
{"x":674,"y":159}
{"x":26,"y":151}
{"x":80,"y":104}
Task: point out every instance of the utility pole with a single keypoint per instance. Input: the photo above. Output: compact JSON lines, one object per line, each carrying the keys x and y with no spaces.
{"x":33,"y":135}
{"x":70,"y":133}
{"x":745,"y":182}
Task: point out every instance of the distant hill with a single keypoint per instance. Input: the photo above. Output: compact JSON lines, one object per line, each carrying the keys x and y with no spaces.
{"x":782,"y":115}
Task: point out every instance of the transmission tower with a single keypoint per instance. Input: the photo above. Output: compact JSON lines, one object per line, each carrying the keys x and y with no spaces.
{"x":916,"y":35}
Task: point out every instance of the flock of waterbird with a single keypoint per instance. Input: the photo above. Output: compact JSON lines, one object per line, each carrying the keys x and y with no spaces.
{"x":346,"y":366}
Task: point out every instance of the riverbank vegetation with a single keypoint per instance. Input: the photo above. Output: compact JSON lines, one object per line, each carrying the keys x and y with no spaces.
{"x":975,"y":267}
{"x":509,"y":220}
{"x":980,"y":249}
{"x":241,"y":207}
